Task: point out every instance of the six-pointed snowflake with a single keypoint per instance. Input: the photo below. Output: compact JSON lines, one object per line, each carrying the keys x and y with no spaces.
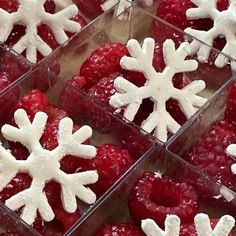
{"x":31,"y":14}
{"x":224,"y":26}
{"x":201,"y":221}
{"x":44,"y":166}
{"x":122,"y":5}
{"x":159,"y":87}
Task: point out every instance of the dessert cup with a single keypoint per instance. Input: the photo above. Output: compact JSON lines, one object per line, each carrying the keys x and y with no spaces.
{"x":86,"y":107}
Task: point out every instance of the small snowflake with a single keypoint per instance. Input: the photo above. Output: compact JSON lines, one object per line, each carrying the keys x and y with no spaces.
{"x":224,"y":26}
{"x":122,"y":5}
{"x":31,"y":14}
{"x":231,"y":150}
{"x":159,"y":87}
{"x":222,"y":228}
{"x":44,"y":166}
{"x":201,"y":221}
{"x":172,"y":227}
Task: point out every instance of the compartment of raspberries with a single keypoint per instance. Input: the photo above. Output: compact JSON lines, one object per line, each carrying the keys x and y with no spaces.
{"x":211,"y":147}
{"x":141,"y":74}
{"x":54,"y":167}
{"x":125,"y":125}
{"x":159,"y":201}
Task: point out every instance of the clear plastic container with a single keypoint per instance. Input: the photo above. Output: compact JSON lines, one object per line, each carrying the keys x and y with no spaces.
{"x":114,"y":207}
{"x":90,"y":111}
{"x":213,"y":111}
{"x":106,"y":29}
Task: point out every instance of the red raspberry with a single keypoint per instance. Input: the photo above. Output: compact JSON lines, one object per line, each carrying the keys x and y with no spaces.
{"x":208,"y":153}
{"x":120,"y":229}
{"x":67,"y":219}
{"x":9,"y":98}
{"x":71,"y":100}
{"x":90,"y":8}
{"x":33,"y":102}
{"x":174,"y":12}
{"x":55,"y":114}
{"x":102,"y":91}
{"x":230,"y":112}
{"x":103,"y":62}
{"x":155,"y":198}
{"x":111,"y":162}
{"x":19,"y":182}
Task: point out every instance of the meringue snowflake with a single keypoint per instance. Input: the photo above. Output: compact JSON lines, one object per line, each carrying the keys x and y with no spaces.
{"x":224,"y":26}
{"x":44,"y":166}
{"x":122,"y":5}
{"x":62,"y":3}
{"x":201,"y":221}
{"x":31,"y":14}
{"x":159,"y":87}
{"x":231,"y":150}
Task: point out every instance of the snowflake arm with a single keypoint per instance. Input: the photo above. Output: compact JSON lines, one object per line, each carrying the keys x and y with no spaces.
{"x":223,"y":227}
{"x":44,"y":165}
{"x":32,"y":14}
{"x":231,"y":150}
{"x":224,"y":26}
{"x":62,"y":3}
{"x":158,"y":87}
{"x":68,"y":142}
{"x":172,"y":227}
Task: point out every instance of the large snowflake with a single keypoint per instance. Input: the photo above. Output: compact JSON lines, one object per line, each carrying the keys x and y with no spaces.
{"x":202,"y":225}
{"x":44,"y":165}
{"x":31,"y":14}
{"x":224,"y":26}
{"x":122,"y":5}
{"x":159,"y":87}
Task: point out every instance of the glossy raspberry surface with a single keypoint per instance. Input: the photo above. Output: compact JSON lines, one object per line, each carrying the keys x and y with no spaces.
{"x":155,"y":198}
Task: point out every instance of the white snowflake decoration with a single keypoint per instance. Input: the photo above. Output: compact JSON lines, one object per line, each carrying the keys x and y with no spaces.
{"x":201,"y":221}
{"x":172,"y":227}
{"x":223,"y":227}
{"x":159,"y":87}
{"x":224,"y":26}
{"x":31,"y":14}
{"x":62,"y":3}
{"x":231,"y":150}
{"x":44,"y":165}
{"x":122,"y":5}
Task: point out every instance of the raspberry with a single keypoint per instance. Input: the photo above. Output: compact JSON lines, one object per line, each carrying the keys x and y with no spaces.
{"x":208,"y":153}
{"x":103,"y":62}
{"x":90,"y":8}
{"x":110,"y":162}
{"x":33,"y":102}
{"x":19,"y":182}
{"x":71,"y":100}
{"x":55,"y":114}
{"x":120,"y":229}
{"x":174,"y":12}
{"x":9,"y":98}
{"x":155,"y":198}
{"x":230,"y":112}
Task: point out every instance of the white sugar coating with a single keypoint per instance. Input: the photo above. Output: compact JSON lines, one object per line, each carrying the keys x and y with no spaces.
{"x":222,"y":228}
{"x":201,"y":221}
{"x":231,"y":150}
{"x":122,"y":5}
{"x":224,"y":26}
{"x":31,"y":14}
{"x":172,"y":227}
{"x":63,"y":3}
{"x":158,"y":87}
{"x":44,"y":165}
